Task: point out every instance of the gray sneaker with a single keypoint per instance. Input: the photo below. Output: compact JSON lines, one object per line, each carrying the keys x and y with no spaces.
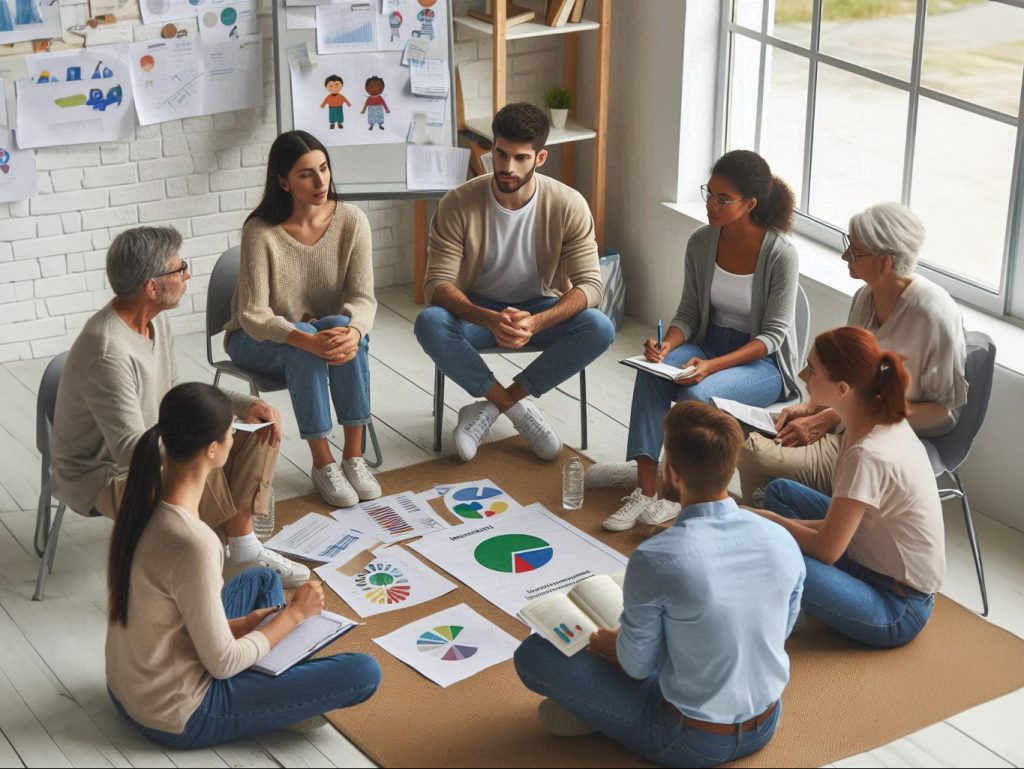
{"x":558,"y":721}
{"x":333,"y":486}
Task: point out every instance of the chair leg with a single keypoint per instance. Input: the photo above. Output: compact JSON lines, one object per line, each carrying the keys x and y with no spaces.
{"x":46,"y":562}
{"x":973,"y":539}
{"x":376,"y":446}
{"x":438,"y":406}
{"x":43,"y":514}
{"x":583,"y":410}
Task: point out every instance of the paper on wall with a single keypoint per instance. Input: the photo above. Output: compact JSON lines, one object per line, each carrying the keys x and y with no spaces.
{"x":3,"y":104}
{"x":346,"y":28}
{"x":17,"y":170}
{"x":124,"y":10}
{"x":157,"y":11}
{"x":300,"y":18}
{"x":22,"y":20}
{"x":429,"y":167}
{"x":225,"y":19}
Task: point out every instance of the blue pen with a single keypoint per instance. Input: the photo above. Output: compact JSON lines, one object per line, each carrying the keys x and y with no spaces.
{"x":659,"y":335}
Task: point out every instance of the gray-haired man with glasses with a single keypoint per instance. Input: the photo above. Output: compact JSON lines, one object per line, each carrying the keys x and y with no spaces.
{"x":117,"y":372}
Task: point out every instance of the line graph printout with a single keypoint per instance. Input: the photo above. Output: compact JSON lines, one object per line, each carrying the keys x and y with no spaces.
{"x":346,"y":28}
{"x":514,"y":559}
{"x":392,"y":519}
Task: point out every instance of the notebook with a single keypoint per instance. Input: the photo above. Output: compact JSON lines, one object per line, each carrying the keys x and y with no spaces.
{"x":662,"y":370}
{"x":306,"y":639}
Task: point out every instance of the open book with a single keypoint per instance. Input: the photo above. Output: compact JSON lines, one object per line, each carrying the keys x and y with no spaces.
{"x":752,"y":416}
{"x":568,"y":619}
{"x":306,"y":639}
{"x":662,"y":370}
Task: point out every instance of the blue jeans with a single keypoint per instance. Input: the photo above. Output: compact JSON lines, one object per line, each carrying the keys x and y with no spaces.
{"x":312,"y":383}
{"x":250,"y":703}
{"x":631,"y":712}
{"x":758,"y":383}
{"x":848,"y":597}
{"x":569,"y":347}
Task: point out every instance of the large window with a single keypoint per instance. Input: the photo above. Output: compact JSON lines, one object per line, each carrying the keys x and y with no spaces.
{"x":855,"y":102}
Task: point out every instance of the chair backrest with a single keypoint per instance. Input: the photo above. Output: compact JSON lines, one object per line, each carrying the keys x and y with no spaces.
{"x":954,"y":446}
{"x":46,"y":403}
{"x":803,"y":324}
{"x":223,"y":280}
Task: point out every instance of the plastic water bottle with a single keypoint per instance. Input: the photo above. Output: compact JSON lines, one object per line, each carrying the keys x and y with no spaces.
{"x":572,"y":484}
{"x":263,"y":525}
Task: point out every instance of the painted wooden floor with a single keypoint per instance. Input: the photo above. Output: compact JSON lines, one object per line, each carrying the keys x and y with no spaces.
{"x":54,"y":710}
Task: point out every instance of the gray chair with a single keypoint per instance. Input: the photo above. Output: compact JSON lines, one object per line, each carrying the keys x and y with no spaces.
{"x":948,"y":452}
{"x":218,"y":312}
{"x":46,"y":534}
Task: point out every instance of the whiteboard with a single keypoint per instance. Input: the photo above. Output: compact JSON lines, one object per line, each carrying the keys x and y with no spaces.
{"x":369,"y":171}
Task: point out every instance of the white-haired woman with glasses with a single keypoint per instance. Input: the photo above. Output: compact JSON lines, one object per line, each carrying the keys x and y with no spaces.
{"x":907,"y":313}
{"x":734,"y":328}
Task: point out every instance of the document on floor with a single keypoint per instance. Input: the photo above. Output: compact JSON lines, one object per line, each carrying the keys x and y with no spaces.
{"x":515,"y":559}
{"x":430,"y":167}
{"x":394,"y":579}
{"x":392,"y":519}
{"x":477,"y":499}
{"x":752,"y":416}
{"x":450,"y":646}
{"x":306,"y":639}
{"x":316,"y":537}
{"x":662,"y":370}
{"x":567,"y":620}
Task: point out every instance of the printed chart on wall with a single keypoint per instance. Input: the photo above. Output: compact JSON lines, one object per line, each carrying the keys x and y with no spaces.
{"x":156,"y":11}
{"x":392,"y":519}
{"x":394,"y":580}
{"x":17,"y":170}
{"x":225,"y":20}
{"x":76,"y":98}
{"x":354,"y":99}
{"x":22,"y":20}
{"x":450,"y":645}
{"x":513,"y":559}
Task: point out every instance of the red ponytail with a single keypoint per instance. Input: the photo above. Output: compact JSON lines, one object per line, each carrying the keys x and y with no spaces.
{"x":878,"y":376}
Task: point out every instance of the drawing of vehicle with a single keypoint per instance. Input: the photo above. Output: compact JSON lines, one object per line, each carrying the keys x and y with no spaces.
{"x":98,"y":102}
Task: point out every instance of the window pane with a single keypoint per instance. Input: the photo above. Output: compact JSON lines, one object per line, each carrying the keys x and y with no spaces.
{"x":878,"y":34}
{"x":961,"y":190}
{"x":746,"y":62}
{"x":977,"y":54}
{"x":785,"y":107}
{"x":792,"y":21}
{"x":748,"y":13}
{"x":859,"y":140}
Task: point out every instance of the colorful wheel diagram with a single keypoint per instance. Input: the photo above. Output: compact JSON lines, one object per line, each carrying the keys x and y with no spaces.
{"x":440,"y":642}
{"x":472,"y":502}
{"x":383,"y":583}
{"x":513,"y":553}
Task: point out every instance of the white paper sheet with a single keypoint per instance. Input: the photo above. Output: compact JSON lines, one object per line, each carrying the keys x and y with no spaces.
{"x":300,"y":18}
{"x":3,"y":104}
{"x":79,"y":97}
{"x":17,"y":170}
{"x":22,"y":20}
{"x":513,"y":559}
{"x":415,"y":50}
{"x":478,"y":500}
{"x":429,"y":167}
{"x":429,"y":78}
{"x":415,"y":20}
{"x":392,"y":519}
{"x":394,"y":580}
{"x":306,"y":638}
{"x":346,"y":28}
{"x":758,"y":418}
{"x":124,"y":10}
{"x":245,"y":427}
{"x":316,"y":537}
{"x":228,"y":19}
{"x":234,"y":74}
{"x":451,"y":645}
{"x":158,"y":11}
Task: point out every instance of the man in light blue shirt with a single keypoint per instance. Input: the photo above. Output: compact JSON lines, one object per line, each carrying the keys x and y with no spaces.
{"x":694,"y":674}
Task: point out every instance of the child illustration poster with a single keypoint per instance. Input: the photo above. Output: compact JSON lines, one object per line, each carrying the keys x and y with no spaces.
{"x":379,"y":116}
{"x":405,"y":20}
{"x":22,"y":20}
{"x":17,"y":170}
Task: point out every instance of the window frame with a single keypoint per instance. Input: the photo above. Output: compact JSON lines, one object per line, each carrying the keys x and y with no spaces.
{"x":1008,"y":300}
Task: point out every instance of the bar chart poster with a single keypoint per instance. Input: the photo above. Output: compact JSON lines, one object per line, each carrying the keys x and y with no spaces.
{"x":514,"y":559}
{"x":346,"y":28}
{"x":450,"y":646}
{"x":392,"y":519}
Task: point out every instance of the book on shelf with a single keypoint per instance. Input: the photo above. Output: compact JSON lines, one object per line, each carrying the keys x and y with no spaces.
{"x":568,"y":619}
{"x":558,"y":12}
{"x":577,"y":12}
{"x":515,"y":14}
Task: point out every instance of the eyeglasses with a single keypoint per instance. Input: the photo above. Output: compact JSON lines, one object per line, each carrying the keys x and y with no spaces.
{"x":720,"y":201}
{"x":180,"y":271}
{"x":850,"y":253}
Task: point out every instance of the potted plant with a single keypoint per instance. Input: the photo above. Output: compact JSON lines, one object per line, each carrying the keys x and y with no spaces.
{"x":558,"y":100}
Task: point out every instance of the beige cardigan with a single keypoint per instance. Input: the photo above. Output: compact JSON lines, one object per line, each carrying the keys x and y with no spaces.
{"x":564,"y":231}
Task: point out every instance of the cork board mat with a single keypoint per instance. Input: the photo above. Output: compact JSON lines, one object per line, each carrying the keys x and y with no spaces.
{"x":842,"y":699}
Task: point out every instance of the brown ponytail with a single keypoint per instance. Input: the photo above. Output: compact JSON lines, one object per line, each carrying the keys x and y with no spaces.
{"x":750,"y":174}
{"x":878,"y":376}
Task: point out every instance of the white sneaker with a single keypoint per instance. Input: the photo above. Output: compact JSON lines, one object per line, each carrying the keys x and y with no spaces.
{"x":334,"y":486}
{"x":292,"y":574}
{"x":625,"y":517}
{"x":475,"y":421}
{"x":658,"y":512}
{"x":531,"y":423}
{"x":604,"y":474}
{"x":361,"y":479}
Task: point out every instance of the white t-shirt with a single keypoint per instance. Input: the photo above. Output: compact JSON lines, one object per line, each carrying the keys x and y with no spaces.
{"x":509,"y":272}
{"x":731,"y":298}
{"x":901,"y":534}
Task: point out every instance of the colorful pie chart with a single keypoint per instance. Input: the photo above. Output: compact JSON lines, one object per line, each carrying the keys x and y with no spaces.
{"x":473,"y":502}
{"x":440,"y":642}
{"x":513,"y":553}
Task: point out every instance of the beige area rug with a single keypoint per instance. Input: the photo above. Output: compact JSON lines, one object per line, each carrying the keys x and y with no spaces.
{"x":842,"y":699}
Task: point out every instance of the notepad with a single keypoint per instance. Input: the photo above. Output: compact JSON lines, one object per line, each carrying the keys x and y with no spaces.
{"x":306,"y":639}
{"x":758,"y":418}
{"x":662,"y":370}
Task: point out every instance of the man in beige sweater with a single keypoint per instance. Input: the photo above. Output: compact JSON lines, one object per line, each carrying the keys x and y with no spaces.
{"x":117,"y":372}
{"x":512,"y":261}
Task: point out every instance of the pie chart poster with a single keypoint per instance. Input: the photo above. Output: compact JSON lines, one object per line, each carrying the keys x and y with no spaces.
{"x":511,"y":560}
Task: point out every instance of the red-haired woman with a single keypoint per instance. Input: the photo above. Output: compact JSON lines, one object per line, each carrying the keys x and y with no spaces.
{"x":875,"y":550}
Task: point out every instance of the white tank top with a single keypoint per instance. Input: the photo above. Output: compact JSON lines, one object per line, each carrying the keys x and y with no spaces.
{"x":731,"y":298}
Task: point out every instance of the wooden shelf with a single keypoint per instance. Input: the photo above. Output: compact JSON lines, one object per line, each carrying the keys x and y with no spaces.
{"x":573,"y":131}
{"x":527,"y":29}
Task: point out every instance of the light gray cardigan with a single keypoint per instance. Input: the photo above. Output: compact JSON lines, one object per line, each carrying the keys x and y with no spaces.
{"x":772,"y":310}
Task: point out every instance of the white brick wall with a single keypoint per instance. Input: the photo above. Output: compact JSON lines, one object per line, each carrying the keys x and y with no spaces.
{"x":202,"y":175}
